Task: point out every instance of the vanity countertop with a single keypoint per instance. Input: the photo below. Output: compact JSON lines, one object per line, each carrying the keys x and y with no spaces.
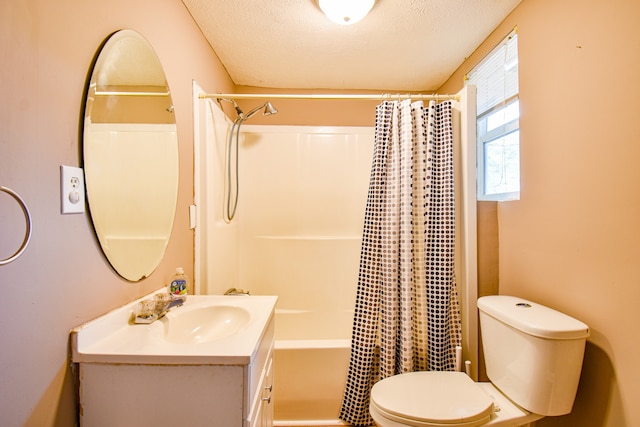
{"x":112,"y":338}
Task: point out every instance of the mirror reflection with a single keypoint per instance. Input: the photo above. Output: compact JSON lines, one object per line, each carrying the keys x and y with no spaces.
{"x":130,"y":153}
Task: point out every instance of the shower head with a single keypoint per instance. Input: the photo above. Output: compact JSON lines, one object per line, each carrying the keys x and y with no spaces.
{"x":269,"y":109}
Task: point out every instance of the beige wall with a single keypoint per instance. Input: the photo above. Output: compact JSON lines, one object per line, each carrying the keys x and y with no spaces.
{"x":62,"y":280}
{"x":317,"y":112}
{"x":573,"y":240}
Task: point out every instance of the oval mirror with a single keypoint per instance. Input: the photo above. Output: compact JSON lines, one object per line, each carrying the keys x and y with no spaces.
{"x":130,"y":155}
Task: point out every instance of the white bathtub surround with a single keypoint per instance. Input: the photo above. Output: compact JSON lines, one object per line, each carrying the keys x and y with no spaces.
{"x":298,"y":226}
{"x":297,"y":234}
{"x":310,"y":381}
{"x":300,"y":230}
{"x":320,"y":326}
{"x":311,"y":358}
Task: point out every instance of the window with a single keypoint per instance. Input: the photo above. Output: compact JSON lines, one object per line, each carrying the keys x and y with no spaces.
{"x":498,"y":122}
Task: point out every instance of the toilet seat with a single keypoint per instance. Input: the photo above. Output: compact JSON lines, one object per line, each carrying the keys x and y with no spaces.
{"x":423,"y":399}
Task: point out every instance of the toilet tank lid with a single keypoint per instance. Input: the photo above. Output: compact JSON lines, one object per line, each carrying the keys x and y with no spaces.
{"x":533,"y":318}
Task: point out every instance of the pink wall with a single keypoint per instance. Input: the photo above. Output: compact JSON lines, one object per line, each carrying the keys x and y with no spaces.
{"x":62,"y":280}
{"x":316,"y":112}
{"x":573,"y":240}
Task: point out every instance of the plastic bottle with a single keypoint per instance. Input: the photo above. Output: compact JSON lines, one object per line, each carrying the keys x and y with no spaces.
{"x":179,"y":285}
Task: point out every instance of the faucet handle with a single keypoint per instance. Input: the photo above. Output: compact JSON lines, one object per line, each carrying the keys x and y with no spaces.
{"x":150,"y":310}
{"x":162,"y":300}
{"x":146,"y":312}
{"x":235,"y":291}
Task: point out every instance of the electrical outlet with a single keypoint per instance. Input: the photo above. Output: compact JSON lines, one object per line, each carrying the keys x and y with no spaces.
{"x":71,"y":190}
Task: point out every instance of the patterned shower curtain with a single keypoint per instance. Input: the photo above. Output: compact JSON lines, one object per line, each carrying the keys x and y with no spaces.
{"x":407,"y":315}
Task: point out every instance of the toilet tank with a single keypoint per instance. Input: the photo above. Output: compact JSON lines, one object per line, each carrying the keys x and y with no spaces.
{"x":533,"y":353}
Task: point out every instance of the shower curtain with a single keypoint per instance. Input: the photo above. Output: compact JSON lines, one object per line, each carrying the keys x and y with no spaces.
{"x":407,"y":315}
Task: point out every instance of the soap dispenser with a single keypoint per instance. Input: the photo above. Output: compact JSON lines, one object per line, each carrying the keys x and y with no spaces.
{"x":179,"y":285}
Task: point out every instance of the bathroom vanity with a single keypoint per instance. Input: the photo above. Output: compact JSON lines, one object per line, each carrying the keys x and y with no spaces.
{"x":206,"y":363}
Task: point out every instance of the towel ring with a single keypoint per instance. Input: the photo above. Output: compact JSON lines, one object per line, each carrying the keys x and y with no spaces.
{"x":27,"y":217}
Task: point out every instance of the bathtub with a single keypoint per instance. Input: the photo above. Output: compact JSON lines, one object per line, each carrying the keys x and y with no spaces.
{"x":311,"y":359}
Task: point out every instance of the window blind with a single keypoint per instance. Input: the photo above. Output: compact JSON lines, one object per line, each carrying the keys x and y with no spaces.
{"x":496,"y":77}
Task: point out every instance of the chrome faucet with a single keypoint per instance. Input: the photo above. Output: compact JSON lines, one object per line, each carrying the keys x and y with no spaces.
{"x":173,"y":303}
{"x":235,"y":291}
{"x":150,"y":310}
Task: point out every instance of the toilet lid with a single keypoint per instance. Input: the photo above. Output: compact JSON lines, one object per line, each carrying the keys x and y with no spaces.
{"x":438,"y":398}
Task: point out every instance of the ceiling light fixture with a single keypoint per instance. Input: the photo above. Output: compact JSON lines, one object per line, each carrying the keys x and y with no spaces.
{"x":346,"y":12}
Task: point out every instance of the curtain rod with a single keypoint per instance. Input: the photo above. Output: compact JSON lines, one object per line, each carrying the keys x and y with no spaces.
{"x":380,"y":97}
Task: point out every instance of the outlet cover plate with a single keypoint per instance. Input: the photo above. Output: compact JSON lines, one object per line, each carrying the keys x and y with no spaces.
{"x":71,"y":190}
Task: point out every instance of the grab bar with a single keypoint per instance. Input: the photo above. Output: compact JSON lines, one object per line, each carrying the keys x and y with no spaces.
{"x":27,"y":217}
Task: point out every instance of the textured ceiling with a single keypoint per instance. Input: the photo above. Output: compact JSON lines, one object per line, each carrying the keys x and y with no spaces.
{"x":403,"y":45}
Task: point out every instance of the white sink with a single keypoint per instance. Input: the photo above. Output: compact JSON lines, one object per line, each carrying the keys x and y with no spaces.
{"x":204,"y":324}
{"x":207,"y":329}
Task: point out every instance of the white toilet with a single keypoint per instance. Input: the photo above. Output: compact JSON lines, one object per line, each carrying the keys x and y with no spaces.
{"x":533,"y":356}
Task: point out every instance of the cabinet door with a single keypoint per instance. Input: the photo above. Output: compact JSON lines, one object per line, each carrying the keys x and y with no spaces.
{"x":257,"y":420}
{"x":262,"y":416}
{"x":267,"y":396}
